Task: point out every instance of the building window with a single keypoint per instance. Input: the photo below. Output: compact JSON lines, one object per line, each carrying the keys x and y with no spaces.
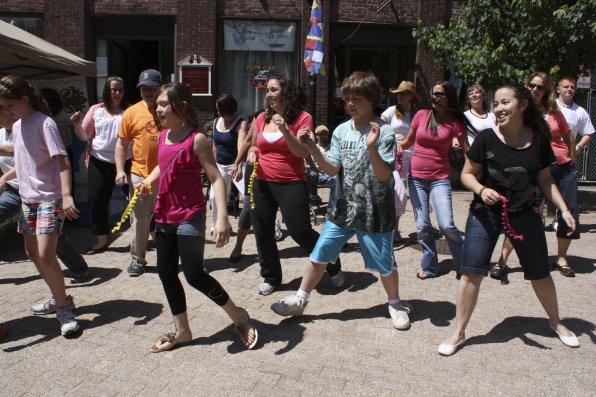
{"x":33,"y":25}
{"x":250,"y":48}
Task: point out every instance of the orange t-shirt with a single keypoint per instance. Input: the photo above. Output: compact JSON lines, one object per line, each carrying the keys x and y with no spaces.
{"x":140,"y":125}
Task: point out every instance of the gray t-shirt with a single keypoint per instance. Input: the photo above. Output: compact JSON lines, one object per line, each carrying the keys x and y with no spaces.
{"x":365,"y":202}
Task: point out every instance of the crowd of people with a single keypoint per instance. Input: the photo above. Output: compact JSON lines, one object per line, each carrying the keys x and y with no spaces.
{"x":517,"y":154}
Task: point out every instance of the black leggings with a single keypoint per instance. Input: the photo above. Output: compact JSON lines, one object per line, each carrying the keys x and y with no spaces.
{"x":189,"y":249}
{"x":292,"y":199}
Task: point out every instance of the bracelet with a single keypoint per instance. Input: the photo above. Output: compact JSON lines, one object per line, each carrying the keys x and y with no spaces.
{"x":567,"y":210}
{"x":481,"y":190}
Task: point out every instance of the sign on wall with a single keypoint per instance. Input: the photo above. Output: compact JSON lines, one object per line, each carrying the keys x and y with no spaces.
{"x":259,"y":36}
{"x":195,"y":72}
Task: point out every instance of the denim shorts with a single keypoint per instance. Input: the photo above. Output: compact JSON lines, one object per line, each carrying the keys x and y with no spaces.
{"x":193,"y":227}
{"x":46,"y":217}
{"x":482,"y":232}
{"x":376,"y":248}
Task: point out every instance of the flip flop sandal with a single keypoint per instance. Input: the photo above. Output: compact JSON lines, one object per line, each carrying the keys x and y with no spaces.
{"x":243,"y":329}
{"x":422,"y":276}
{"x":170,"y":338}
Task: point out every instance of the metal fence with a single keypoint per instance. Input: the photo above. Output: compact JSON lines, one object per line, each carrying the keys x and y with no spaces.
{"x":586,"y":160}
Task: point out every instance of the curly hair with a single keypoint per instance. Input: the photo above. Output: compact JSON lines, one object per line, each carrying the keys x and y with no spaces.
{"x":533,"y":117}
{"x":548,"y":101}
{"x":293,"y":101}
{"x":16,"y":87}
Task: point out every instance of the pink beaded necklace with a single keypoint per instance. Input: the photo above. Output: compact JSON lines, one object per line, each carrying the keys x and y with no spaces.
{"x":505,"y":219}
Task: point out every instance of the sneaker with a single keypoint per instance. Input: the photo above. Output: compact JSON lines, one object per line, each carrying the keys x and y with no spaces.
{"x":68,"y":325}
{"x":79,"y":277}
{"x":290,"y":306}
{"x":399,"y":315}
{"x":339,"y":279}
{"x":49,"y":306}
{"x":135,"y":269}
{"x":266,"y":289}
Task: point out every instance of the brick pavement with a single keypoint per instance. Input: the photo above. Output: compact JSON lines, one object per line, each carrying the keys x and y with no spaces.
{"x":343,"y":346}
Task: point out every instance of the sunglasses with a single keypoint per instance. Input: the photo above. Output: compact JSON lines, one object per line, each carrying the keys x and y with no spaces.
{"x":539,"y":87}
{"x":439,"y":94}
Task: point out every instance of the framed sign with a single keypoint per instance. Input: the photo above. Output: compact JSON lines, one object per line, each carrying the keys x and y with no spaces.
{"x":195,"y":72}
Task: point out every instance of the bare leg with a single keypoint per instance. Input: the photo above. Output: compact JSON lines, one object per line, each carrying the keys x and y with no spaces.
{"x":33,"y":254}
{"x":313,"y":273}
{"x":547,"y":295}
{"x":396,"y":229}
{"x":391,"y":285}
{"x":239,"y":317}
{"x":562,"y":248}
{"x":240,"y":237}
{"x":48,"y":262}
{"x":505,"y":252}
{"x":467,"y":296}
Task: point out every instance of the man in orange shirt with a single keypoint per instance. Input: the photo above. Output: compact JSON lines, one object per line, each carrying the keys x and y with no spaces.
{"x":140,"y":126}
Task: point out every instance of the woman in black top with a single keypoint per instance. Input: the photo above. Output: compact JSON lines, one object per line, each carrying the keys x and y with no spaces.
{"x":511,"y":159}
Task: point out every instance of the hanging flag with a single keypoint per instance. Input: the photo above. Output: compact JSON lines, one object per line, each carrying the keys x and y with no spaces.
{"x":314,"y":47}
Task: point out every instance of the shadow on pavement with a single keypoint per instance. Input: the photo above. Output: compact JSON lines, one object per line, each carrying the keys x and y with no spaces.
{"x":46,"y":328}
{"x":579,"y":264}
{"x":520,"y":327}
{"x":97,"y":276}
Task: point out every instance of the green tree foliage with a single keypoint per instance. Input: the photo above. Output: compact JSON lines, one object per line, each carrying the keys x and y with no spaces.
{"x":500,"y":41}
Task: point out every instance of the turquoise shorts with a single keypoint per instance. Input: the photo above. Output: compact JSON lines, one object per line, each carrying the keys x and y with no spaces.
{"x":376,"y":248}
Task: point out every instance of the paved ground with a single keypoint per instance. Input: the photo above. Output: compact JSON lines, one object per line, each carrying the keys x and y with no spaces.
{"x":344,"y":346}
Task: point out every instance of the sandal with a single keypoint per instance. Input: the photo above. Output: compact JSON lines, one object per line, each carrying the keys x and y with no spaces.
{"x":497,"y":272}
{"x":565,"y":270}
{"x":170,"y":338}
{"x":243,"y":329}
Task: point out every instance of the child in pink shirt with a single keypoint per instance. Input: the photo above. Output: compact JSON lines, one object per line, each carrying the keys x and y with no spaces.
{"x":43,"y":171}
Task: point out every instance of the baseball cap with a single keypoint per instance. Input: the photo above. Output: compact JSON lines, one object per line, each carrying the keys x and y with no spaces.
{"x":150,"y":78}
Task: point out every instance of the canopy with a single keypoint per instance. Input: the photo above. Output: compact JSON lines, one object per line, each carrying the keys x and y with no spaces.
{"x":27,"y":55}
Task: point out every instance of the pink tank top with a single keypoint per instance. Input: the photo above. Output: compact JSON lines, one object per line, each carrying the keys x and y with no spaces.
{"x":180,"y":194}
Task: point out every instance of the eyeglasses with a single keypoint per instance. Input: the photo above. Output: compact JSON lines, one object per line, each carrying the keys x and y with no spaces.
{"x":115,"y":90}
{"x":539,"y":87}
{"x":439,"y":94}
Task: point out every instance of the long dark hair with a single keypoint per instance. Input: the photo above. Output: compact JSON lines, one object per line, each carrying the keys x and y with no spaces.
{"x":293,"y":101}
{"x":180,"y":98}
{"x":16,"y":87}
{"x":453,"y":108}
{"x":106,"y":95}
{"x":533,"y":117}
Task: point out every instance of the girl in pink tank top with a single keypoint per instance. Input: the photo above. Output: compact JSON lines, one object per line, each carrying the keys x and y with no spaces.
{"x":180,"y":216}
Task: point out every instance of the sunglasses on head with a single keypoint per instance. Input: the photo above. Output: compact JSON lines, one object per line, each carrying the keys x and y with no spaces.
{"x":539,"y":87}
{"x":439,"y":94}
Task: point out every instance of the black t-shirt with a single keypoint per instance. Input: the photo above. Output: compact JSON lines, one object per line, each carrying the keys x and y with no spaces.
{"x":511,"y":172}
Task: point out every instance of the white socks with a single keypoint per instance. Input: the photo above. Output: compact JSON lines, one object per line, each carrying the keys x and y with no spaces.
{"x":302,"y":295}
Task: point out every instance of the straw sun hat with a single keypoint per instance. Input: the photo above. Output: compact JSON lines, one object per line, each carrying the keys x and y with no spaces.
{"x":407,"y":86}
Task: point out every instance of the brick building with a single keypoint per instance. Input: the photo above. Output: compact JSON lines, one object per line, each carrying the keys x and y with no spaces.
{"x":240,"y":38}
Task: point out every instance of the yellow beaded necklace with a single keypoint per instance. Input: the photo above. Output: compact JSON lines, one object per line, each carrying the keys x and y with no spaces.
{"x":130,"y":206}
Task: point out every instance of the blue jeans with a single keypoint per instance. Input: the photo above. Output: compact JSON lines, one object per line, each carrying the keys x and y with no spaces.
{"x":10,"y":205}
{"x":421,"y":192}
{"x":332,"y":182}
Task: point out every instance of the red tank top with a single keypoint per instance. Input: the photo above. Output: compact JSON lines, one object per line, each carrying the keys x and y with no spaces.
{"x":180,"y":194}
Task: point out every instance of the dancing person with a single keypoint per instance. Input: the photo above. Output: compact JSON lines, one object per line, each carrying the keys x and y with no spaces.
{"x":229,"y":131}
{"x":99,"y":129}
{"x":562,"y":170}
{"x":400,"y":118}
{"x":432,"y":132}
{"x":280,"y":180}
{"x":503,"y":168}
{"x":43,"y":171}
{"x":140,"y":126}
{"x":180,"y":216}
{"x":478,"y":114}
{"x":10,"y":205}
{"x":363,"y":148}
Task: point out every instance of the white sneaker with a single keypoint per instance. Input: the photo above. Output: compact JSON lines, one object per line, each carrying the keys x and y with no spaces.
{"x":278,"y":234}
{"x":339,"y":279}
{"x":266,"y":289}
{"x":290,"y":306}
{"x":49,"y":306}
{"x":68,"y":325}
{"x":399,"y":315}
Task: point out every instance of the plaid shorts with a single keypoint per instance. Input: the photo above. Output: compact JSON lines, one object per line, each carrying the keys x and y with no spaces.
{"x":46,"y":217}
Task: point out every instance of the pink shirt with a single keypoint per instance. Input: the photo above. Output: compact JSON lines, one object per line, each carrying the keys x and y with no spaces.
{"x":37,"y":142}
{"x":430,"y":159}
{"x":277,"y":163}
{"x":559,"y":130}
{"x":180,"y":194}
